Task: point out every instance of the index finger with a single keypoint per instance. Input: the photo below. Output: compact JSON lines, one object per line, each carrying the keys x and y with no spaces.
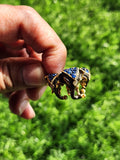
{"x":22,"y":22}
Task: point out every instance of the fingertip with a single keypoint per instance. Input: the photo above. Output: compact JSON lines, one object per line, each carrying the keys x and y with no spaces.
{"x":28,"y":113}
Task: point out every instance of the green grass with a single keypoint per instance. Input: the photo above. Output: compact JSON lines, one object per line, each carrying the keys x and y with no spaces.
{"x":86,"y":129}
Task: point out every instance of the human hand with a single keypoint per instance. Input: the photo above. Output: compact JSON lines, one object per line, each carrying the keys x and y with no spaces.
{"x":29,"y":48}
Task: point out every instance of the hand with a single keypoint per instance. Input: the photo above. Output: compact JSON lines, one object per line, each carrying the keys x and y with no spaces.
{"x":29,"y":48}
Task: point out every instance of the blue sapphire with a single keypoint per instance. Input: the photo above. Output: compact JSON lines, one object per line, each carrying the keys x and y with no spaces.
{"x":84,"y":68}
{"x":51,"y":76}
{"x":75,"y":68}
{"x":73,"y":75}
{"x":68,"y":71}
{"x":87,"y":70}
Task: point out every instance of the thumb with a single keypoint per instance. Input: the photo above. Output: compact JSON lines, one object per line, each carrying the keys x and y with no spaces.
{"x":20,"y":73}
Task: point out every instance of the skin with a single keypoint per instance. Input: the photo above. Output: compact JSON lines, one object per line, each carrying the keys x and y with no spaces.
{"x":29,"y":49}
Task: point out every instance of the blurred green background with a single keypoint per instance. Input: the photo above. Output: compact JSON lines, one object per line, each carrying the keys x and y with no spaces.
{"x":86,"y":129}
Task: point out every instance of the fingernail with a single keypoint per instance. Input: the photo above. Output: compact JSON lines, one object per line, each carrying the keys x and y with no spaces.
{"x":33,"y":74}
{"x":23,"y":106}
{"x":28,"y":113}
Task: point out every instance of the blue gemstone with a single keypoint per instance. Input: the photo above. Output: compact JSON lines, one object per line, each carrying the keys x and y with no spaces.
{"x":73,"y":75}
{"x":54,"y":74}
{"x":68,"y":71}
{"x":51,"y":76}
{"x":87,"y":70}
{"x":83,"y":68}
{"x":74,"y":71}
{"x":75,"y":68}
{"x":65,"y":70}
